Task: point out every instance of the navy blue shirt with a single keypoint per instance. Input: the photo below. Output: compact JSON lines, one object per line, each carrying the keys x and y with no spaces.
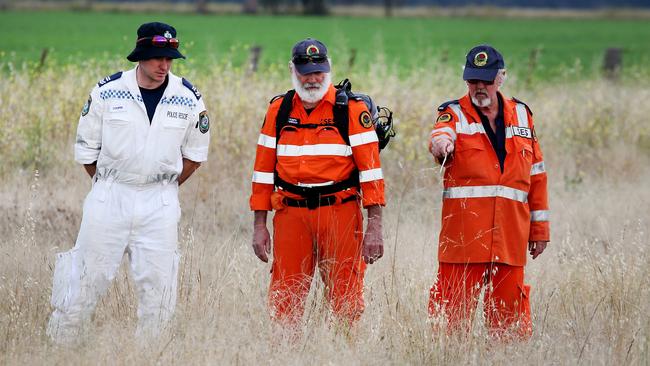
{"x":151,"y":97}
{"x":498,"y":137}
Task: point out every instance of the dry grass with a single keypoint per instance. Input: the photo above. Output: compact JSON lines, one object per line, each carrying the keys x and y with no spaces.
{"x":590,"y":290}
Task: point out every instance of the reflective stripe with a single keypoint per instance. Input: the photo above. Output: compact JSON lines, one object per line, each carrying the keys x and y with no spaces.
{"x":363,"y":138}
{"x":539,"y":215}
{"x":522,"y":115}
{"x":447,"y":130}
{"x":462,"y":120}
{"x":314,"y":150}
{"x":485,"y":191}
{"x":262,"y":177}
{"x":370,"y":175}
{"x":267,"y":141}
{"x":310,"y":185}
{"x":470,"y":128}
{"x":538,"y":168}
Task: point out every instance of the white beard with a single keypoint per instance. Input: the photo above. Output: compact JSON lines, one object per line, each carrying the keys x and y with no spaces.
{"x":311,"y":95}
{"x":482,"y":103}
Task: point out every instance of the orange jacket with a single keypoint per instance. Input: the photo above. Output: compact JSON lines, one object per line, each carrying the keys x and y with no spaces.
{"x":489,"y":216}
{"x":317,"y":156}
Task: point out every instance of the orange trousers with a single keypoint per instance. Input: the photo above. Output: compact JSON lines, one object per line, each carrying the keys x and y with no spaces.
{"x":328,"y":236}
{"x":455,"y":294}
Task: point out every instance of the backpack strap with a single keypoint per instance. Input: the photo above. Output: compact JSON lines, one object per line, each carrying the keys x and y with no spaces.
{"x":342,"y":113}
{"x":282,"y":118}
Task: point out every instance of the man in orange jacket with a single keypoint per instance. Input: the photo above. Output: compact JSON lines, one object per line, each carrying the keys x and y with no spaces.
{"x":314,"y":174}
{"x":495,"y":201}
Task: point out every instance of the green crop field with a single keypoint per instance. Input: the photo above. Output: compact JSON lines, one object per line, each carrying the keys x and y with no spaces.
{"x":566,"y":47}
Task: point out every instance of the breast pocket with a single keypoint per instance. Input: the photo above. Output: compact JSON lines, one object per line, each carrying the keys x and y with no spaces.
{"x":470,"y":160}
{"x":329,"y":135}
{"x":524,"y":160}
{"x":172,"y":135}
{"x":118,"y":137}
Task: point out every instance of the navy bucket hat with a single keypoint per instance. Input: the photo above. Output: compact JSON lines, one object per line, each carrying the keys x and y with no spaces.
{"x":155,"y":40}
{"x":482,"y":63}
{"x":310,"y":55}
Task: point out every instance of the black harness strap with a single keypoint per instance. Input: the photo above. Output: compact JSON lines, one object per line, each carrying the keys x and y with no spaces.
{"x":282,"y":118}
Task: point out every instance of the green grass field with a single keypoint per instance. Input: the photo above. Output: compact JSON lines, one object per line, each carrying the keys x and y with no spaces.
{"x":568,"y":48}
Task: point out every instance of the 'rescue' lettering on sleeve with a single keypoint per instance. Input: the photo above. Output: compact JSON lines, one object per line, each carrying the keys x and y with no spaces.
{"x":110,"y":78}
{"x":192,"y":88}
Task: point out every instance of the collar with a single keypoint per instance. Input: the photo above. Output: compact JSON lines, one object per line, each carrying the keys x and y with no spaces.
{"x":500,"y":109}
{"x":506,"y":108}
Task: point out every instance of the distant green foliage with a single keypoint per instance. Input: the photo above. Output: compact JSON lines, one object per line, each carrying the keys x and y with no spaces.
{"x":565,"y":48}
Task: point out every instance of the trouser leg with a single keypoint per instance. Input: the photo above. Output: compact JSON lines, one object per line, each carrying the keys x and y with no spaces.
{"x":339,"y":241}
{"x":83,"y":274}
{"x":454,"y":296}
{"x":507,"y":305}
{"x":293,"y":265}
{"x":154,"y":257}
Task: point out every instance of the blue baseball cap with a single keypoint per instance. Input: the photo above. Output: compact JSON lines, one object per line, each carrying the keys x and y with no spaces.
{"x":482,"y":63}
{"x":310,"y":55}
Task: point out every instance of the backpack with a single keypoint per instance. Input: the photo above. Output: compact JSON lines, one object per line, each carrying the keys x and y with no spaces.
{"x":382,"y":119}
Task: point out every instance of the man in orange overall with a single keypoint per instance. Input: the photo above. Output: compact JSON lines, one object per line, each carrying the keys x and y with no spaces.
{"x":314,"y":174}
{"x":495,"y":201}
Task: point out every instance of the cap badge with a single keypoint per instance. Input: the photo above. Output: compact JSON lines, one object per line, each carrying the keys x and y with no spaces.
{"x":312,"y":50}
{"x":167,"y":35}
{"x":481,"y":59}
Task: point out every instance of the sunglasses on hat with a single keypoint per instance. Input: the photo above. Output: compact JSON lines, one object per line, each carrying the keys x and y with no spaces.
{"x":159,"y":41}
{"x":304,"y":59}
{"x":476,"y":81}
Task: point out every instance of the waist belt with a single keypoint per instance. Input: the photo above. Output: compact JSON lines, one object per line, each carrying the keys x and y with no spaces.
{"x":134,"y":178}
{"x":315,"y":202}
{"x":351,"y":181}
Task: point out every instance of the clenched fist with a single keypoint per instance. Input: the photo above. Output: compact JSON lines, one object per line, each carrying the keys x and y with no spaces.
{"x":441,"y":147}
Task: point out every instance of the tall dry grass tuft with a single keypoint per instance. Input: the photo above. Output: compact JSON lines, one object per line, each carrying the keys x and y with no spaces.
{"x":590,"y":289}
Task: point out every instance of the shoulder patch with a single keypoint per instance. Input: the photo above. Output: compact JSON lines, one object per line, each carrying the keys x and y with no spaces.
{"x":204,"y":122}
{"x":443,"y":118}
{"x":525,"y":105}
{"x":444,"y":105}
{"x":192,"y":88}
{"x":276,"y":98}
{"x":365,"y":120}
{"x":108,"y":79}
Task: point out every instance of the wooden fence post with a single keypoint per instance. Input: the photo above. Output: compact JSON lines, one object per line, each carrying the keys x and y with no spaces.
{"x":256,"y":51}
{"x":613,"y":63}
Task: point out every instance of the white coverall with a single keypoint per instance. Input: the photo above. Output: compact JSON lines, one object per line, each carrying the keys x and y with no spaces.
{"x":133,"y":205}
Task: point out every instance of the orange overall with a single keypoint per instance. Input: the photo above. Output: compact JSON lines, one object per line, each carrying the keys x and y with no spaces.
{"x":330,"y":234}
{"x":489,"y":216}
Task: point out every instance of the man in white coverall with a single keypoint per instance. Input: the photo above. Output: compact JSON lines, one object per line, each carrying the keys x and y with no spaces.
{"x":141,"y":134}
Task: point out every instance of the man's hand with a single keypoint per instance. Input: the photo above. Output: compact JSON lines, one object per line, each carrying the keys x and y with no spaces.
{"x":261,"y":237}
{"x":373,"y":242}
{"x":189,"y":167}
{"x":536,"y":247}
{"x":441,"y":147}
{"x":91,"y":169}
